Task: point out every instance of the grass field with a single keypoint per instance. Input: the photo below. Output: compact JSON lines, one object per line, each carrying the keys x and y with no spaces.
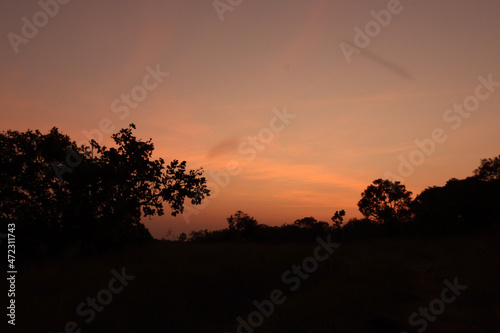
{"x":364,"y":286}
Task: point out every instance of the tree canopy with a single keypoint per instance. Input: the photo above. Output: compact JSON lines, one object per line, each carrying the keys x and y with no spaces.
{"x":386,"y":202}
{"x":241,"y":221}
{"x":489,"y":169}
{"x":338,"y":218}
{"x":91,"y":197}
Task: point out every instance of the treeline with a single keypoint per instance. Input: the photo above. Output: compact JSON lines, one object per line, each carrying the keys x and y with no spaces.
{"x":460,"y":207}
{"x":90,"y":199}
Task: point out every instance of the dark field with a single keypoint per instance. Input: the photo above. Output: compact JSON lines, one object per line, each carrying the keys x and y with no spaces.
{"x":364,"y":286}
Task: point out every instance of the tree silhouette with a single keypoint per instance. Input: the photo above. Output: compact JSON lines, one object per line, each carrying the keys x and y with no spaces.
{"x":386,"y":202}
{"x":460,"y":206}
{"x":309,"y":227}
{"x":338,"y":218}
{"x":182,"y":237}
{"x":95,"y":203}
{"x":489,"y":169}
{"x":306,"y":222}
{"x":241,"y":221}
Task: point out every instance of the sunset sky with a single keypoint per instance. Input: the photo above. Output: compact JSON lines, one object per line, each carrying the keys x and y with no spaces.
{"x":234,"y":68}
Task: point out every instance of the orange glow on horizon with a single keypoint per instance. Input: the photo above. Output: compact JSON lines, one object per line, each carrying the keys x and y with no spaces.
{"x":354,"y":121}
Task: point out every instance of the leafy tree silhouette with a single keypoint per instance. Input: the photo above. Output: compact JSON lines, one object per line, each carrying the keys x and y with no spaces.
{"x":489,"y":169}
{"x":386,"y":202}
{"x":309,"y":227}
{"x":242,"y":222}
{"x":97,"y":204}
{"x":306,"y":222}
{"x":30,"y":194}
{"x":338,"y":218}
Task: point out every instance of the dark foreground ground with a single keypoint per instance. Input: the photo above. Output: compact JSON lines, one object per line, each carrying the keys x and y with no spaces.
{"x":364,"y":286}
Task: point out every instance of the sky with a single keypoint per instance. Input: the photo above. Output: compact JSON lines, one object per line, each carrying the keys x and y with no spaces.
{"x":291,"y":107}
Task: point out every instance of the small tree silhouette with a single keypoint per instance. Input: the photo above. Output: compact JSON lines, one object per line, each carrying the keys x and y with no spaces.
{"x":338,"y":218}
{"x":306,"y":222}
{"x":241,"y":221}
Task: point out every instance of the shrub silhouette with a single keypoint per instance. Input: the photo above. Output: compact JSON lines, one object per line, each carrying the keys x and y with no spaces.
{"x":360,"y":228}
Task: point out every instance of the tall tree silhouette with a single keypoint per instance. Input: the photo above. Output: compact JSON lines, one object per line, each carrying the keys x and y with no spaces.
{"x":30,"y":194}
{"x":98,"y":202}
